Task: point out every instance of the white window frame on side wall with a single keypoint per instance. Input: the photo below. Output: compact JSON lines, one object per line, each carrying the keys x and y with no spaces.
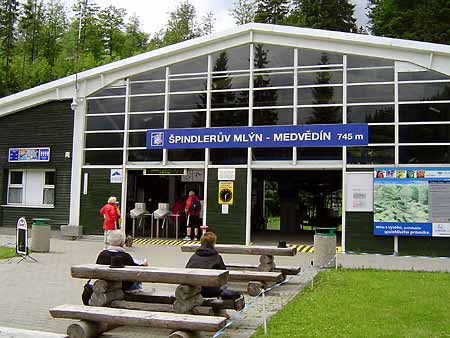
{"x":24,"y":186}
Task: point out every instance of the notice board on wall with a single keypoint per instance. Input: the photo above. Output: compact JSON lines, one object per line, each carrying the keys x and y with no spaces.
{"x":412,"y":202}
{"x":359,"y":191}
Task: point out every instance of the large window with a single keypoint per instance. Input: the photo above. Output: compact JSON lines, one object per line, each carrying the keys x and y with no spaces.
{"x":31,"y":187}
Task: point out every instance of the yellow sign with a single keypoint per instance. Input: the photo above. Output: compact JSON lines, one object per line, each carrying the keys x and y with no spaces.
{"x":226,"y":192}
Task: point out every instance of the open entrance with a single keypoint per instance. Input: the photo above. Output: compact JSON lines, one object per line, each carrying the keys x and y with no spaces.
{"x":153,"y":187}
{"x":287,"y":205}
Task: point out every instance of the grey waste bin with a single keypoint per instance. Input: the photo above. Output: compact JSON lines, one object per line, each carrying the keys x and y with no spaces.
{"x":324,"y":247}
{"x":40,"y":235}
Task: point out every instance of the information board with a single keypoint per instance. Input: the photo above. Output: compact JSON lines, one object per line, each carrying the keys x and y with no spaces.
{"x":412,"y":202}
{"x":359,"y":191}
{"x":29,"y":155}
{"x":226,"y":193}
{"x":22,"y":236}
{"x":313,"y":135}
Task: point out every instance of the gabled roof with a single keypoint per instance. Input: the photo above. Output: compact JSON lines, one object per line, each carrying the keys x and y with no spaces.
{"x":427,"y":55}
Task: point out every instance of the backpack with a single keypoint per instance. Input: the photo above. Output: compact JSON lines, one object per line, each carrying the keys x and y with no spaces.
{"x":87,"y":292}
{"x":195,"y":206}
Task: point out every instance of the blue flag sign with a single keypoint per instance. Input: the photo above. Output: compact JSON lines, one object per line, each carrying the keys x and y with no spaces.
{"x":29,"y":154}
{"x":313,"y":135}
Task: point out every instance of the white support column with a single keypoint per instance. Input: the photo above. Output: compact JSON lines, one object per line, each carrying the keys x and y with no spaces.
{"x":396,"y":135}
{"x":79,"y":109}
{"x":166,"y":110}
{"x":344,"y":149}
{"x":248,"y":213}
{"x":123,"y":198}
{"x":207,"y":151}
{"x":295,"y":103}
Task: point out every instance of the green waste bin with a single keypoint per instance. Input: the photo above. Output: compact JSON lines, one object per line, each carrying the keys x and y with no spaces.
{"x":324,"y":247}
{"x":40,"y":235}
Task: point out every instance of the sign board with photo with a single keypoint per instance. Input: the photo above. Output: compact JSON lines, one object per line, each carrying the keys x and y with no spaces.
{"x":29,"y":155}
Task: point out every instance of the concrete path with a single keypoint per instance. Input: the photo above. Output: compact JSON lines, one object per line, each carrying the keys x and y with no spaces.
{"x":29,"y":289}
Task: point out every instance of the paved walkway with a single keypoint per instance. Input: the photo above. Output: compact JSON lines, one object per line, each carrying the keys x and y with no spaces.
{"x":29,"y":289}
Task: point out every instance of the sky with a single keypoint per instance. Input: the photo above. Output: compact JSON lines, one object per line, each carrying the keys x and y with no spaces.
{"x":153,"y":14}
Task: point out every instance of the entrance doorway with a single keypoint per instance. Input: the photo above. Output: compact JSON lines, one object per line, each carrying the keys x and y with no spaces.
{"x":294,"y":203}
{"x":153,"y":189}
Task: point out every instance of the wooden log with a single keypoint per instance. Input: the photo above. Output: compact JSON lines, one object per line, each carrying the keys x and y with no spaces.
{"x":185,"y":306}
{"x":145,"y":297}
{"x":222,"y":313}
{"x":266,"y":267}
{"x":165,"y":320}
{"x":123,"y":304}
{"x":236,"y":304}
{"x":196,"y":310}
{"x":246,"y":276}
{"x":187,"y":291}
{"x":245,"y":250}
{"x":84,"y":329}
{"x":285,"y":270}
{"x":203,"y":277}
{"x":182,"y":334}
{"x":104,"y":299}
{"x":103,"y":286}
{"x":254,"y":288}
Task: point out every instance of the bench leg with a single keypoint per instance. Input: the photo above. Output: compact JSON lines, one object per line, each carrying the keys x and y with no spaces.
{"x":183,"y":334}
{"x":266,"y":263}
{"x":84,"y":329}
{"x":254,"y":288}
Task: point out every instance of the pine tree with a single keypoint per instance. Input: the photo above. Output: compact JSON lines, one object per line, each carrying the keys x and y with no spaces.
{"x":334,"y":15}
{"x":181,"y":25}
{"x":55,"y":20}
{"x":9,"y":13}
{"x":243,"y":11}
{"x":271,"y":11}
{"x":136,"y":40}
{"x":111,"y":25}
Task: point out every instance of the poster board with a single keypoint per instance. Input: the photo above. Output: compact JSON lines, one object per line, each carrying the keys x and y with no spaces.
{"x":225,"y":193}
{"x":359,"y":191}
{"x":412,"y":202}
{"x":22,"y":236}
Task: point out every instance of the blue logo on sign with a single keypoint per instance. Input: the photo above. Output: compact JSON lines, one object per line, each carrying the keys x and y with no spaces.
{"x":157,"y":139}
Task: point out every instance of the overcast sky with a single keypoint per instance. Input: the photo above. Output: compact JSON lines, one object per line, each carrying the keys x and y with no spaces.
{"x":153,"y":14}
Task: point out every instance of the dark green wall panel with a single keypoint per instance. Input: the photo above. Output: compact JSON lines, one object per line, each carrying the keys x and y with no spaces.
{"x":47,"y":125}
{"x":230,"y":228}
{"x":424,"y":246}
{"x":99,"y":190}
{"x":359,"y":235}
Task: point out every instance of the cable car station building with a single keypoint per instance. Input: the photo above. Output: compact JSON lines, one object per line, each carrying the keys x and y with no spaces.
{"x":68,"y":145}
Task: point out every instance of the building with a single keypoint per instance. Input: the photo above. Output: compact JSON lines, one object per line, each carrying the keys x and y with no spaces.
{"x":94,"y":125}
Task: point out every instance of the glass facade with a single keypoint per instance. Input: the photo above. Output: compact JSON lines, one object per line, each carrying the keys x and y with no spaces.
{"x":408,"y":112}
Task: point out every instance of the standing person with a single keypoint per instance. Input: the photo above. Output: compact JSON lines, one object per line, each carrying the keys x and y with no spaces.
{"x":110,"y":216}
{"x":192,"y":209}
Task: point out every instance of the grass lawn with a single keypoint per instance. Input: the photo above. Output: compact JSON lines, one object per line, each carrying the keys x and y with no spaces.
{"x":367,"y":303}
{"x":6,"y":252}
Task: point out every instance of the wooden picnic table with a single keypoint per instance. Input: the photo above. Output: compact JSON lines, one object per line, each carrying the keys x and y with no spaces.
{"x":245,"y":249}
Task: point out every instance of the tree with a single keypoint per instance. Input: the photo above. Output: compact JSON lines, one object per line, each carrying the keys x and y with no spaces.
{"x":423,"y":20}
{"x":271,"y":11}
{"x":181,"y":25}
{"x":111,"y":24}
{"x":207,"y":25}
{"x":9,"y":13}
{"x":136,"y":40}
{"x":55,"y":20}
{"x":334,"y":15}
{"x":243,"y":11}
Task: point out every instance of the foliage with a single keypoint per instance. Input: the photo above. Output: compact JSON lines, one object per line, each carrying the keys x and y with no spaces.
{"x":243,"y":11}
{"x":423,"y":20}
{"x":367,"y":303}
{"x":7,"y":252}
{"x":40,"y":42}
{"x":271,"y":11}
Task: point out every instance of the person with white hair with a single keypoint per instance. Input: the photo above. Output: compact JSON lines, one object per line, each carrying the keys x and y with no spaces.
{"x":192,"y":209}
{"x":110,"y":217}
{"x":116,"y":256}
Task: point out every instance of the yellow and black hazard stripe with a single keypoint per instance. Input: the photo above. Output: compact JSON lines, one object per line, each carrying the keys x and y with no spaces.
{"x":310,"y":248}
{"x":145,"y":241}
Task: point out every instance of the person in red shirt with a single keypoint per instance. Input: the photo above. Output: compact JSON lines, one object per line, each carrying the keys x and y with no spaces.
{"x":192,"y":210}
{"x":110,"y":217}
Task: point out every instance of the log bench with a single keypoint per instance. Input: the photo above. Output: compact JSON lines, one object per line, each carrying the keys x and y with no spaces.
{"x":111,"y":307}
{"x":266,"y":259}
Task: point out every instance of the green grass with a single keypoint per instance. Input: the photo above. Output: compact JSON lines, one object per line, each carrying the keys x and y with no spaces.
{"x":367,"y":303}
{"x":6,"y":252}
{"x":273,"y":223}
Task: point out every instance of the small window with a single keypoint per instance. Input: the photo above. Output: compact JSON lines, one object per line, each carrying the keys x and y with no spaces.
{"x":31,"y":188}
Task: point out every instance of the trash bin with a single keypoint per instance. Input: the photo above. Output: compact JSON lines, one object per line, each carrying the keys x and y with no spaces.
{"x":40,"y":235}
{"x":324,"y":247}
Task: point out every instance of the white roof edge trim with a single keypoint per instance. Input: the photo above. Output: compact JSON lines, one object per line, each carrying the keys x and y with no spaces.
{"x":64,"y":88}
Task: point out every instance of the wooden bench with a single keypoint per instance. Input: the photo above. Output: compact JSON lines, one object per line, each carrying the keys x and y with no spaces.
{"x":266,"y":259}
{"x":111,"y":307}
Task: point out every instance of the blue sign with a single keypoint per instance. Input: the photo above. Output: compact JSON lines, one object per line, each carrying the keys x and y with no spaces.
{"x":29,"y":155}
{"x":403,"y":229}
{"x":313,"y":135}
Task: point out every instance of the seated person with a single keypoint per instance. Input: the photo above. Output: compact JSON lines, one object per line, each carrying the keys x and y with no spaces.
{"x":116,"y":251}
{"x":207,"y":257}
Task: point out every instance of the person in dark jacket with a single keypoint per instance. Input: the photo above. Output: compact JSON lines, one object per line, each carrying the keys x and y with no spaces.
{"x":207,"y":257}
{"x":116,"y":252}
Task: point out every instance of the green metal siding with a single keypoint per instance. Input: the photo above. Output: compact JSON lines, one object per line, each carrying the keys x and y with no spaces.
{"x":230,"y":228}
{"x":99,"y":190}
{"x":424,"y":246}
{"x":47,"y":125}
{"x":359,"y":235}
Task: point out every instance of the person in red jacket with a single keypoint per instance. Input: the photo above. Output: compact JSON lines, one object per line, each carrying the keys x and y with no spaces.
{"x":192,"y":210}
{"x":110,"y":217}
